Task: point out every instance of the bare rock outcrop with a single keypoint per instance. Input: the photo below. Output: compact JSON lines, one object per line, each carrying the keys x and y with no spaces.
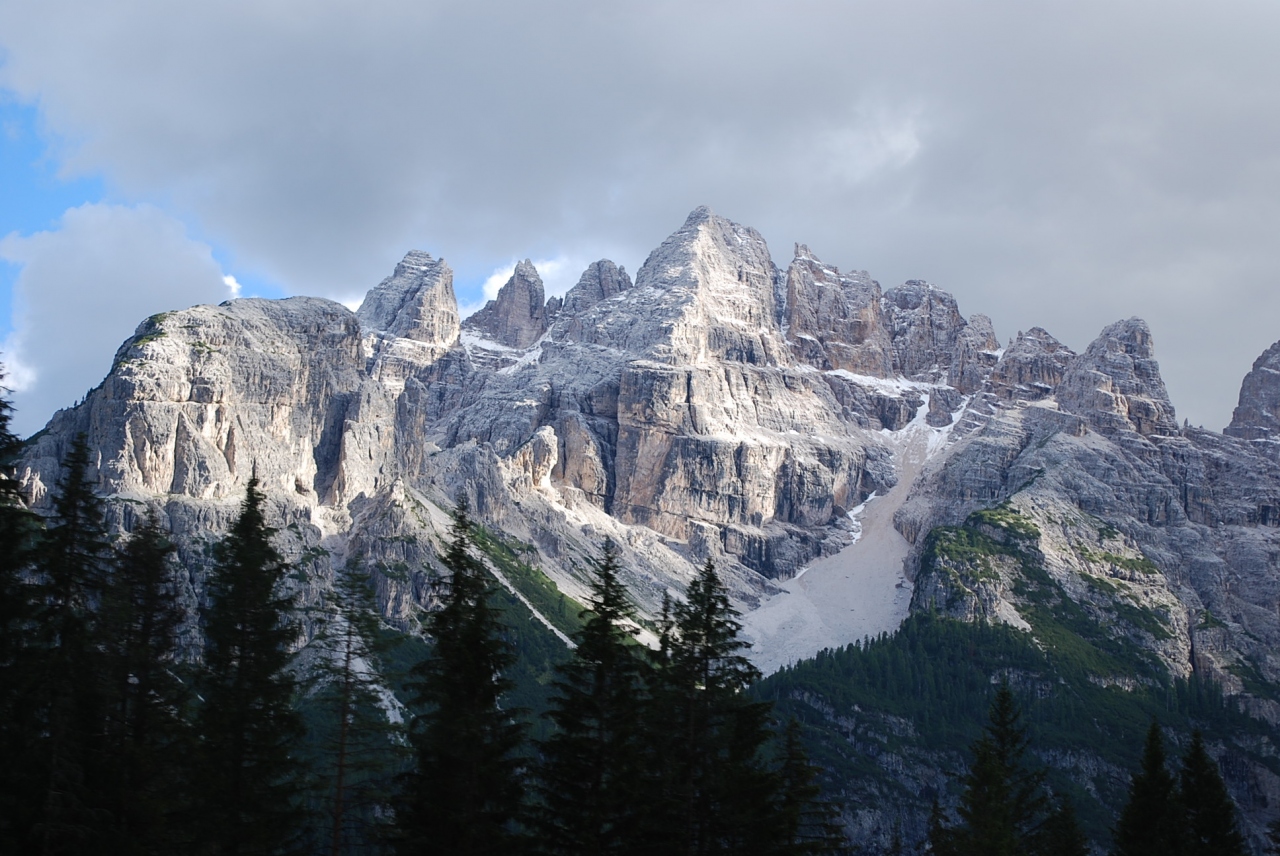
{"x":1116,"y":384}
{"x":925,"y":324}
{"x":1257,"y":416}
{"x":835,"y":320}
{"x":416,"y":302}
{"x":1031,"y":368}
{"x":517,"y":317}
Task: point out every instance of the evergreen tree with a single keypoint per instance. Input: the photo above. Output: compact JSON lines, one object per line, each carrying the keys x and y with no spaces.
{"x":1003,"y":804}
{"x":464,"y":795}
{"x":146,"y":735}
{"x":19,"y":721}
{"x":66,"y":677}
{"x":1210,"y":815}
{"x":808,"y":824}
{"x":715,"y":793}
{"x":248,"y":728}
{"x":360,"y":748}
{"x":1062,"y":835}
{"x":1151,"y":822}
{"x":590,"y":776}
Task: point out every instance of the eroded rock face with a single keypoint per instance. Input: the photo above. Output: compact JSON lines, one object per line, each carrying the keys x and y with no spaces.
{"x":1257,"y":416}
{"x":517,"y":317}
{"x":1031,"y":368}
{"x":835,"y":320}
{"x":1116,"y":384}
{"x":925,"y":324}
{"x":416,"y":302}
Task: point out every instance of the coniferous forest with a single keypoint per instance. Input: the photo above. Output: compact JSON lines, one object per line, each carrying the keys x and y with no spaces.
{"x":478,"y":736}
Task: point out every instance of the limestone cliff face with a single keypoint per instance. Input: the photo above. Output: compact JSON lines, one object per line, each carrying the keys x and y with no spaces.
{"x":517,"y":317}
{"x":834,"y":320}
{"x":1166,"y":537}
{"x":1257,"y":416}
{"x":1116,"y":384}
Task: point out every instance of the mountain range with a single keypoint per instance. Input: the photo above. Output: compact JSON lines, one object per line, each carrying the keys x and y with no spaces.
{"x":848,"y":456}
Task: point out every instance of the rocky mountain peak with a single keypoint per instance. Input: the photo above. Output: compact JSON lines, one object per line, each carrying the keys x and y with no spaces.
{"x":517,"y":317}
{"x":1257,"y":416}
{"x":601,"y":281}
{"x":1031,"y":367}
{"x":975,"y":355}
{"x":924,"y":324}
{"x":1116,"y":383}
{"x":714,"y":281}
{"x":835,"y":320}
{"x":415,"y":302}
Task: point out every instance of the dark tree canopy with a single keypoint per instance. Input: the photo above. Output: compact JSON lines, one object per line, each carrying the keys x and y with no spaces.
{"x":1151,"y":822}
{"x":464,"y":795}
{"x":590,"y":780}
{"x":1210,"y":815}
{"x":248,"y":726}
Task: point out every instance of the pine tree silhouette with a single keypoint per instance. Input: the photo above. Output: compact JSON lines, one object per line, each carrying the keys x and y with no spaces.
{"x":589,"y":781}
{"x":1212,"y":828}
{"x":1151,"y":822}
{"x":249,"y":774}
{"x":464,"y":795}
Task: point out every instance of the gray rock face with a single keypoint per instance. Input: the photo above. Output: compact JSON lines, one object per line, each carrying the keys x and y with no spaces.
{"x":925,"y":324}
{"x":1257,"y":416}
{"x":1031,"y":368}
{"x":517,"y":317}
{"x":1116,"y":383}
{"x":601,"y":281}
{"x":416,"y":302}
{"x":834,"y":320}
{"x":976,"y":354}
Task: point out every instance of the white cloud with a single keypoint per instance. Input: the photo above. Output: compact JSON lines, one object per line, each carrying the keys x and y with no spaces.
{"x":1037,"y":159}
{"x":232,"y":286}
{"x":84,"y":288}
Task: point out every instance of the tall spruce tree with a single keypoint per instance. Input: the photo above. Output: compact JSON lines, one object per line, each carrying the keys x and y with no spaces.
{"x":146,"y":735}
{"x":715,"y":792}
{"x":589,"y":780}
{"x":1210,"y":815}
{"x":19,"y":722}
{"x":464,"y":796}
{"x":248,"y":727}
{"x":359,"y":749}
{"x":1003,"y":805}
{"x":808,"y":824}
{"x":67,"y":670}
{"x":1151,"y":822}
{"x":1062,"y":835}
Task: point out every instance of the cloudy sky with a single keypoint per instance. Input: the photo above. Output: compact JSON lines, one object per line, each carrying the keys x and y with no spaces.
{"x":1050,"y":163}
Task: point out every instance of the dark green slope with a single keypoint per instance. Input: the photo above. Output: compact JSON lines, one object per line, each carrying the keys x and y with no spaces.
{"x":891,"y":720}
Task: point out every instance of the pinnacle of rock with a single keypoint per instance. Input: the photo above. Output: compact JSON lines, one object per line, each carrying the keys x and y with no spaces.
{"x":924,"y":324}
{"x":517,"y":317}
{"x":835,"y":320}
{"x":415,"y":302}
{"x":1257,"y":416}
{"x":1116,"y":383}
{"x":1031,"y":367}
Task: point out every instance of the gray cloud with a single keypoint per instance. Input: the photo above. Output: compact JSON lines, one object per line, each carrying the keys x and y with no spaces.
{"x":1053,"y":164}
{"x":83,"y":290}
